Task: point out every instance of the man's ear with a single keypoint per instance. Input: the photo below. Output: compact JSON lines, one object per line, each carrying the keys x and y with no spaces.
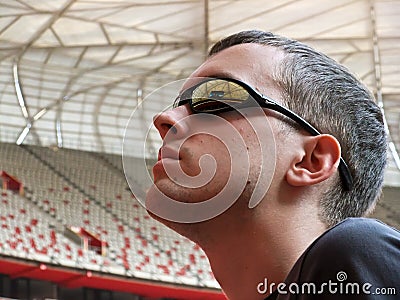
{"x":319,"y":160}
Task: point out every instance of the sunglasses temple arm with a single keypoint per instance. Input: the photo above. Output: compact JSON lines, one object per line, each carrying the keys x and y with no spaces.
{"x":288,"y":113}
{"x":344,"y":171}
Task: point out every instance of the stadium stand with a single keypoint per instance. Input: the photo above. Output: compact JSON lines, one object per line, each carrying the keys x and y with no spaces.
{"x":65,"y":188}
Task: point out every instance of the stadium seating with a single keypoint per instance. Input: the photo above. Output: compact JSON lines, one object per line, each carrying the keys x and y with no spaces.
{"x":73,"y":188}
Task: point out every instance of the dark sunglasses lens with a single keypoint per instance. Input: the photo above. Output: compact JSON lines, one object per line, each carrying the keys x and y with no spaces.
{"x":218,"y":94}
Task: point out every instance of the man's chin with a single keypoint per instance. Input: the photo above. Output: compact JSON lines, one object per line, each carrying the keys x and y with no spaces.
{"x":153,"y":207}
{"x":158,"y":205}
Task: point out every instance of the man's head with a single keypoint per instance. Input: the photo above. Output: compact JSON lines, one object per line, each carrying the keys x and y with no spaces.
{"x":314,"y":87}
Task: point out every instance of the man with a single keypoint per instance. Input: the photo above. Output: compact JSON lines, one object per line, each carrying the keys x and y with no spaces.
{"x":305,"y":238}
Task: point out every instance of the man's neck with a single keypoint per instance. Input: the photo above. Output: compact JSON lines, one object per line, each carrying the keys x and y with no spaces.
{"x":244,"y":258}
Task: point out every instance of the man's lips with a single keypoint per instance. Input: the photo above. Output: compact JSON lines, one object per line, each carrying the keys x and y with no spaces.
{"x":167,"y":152}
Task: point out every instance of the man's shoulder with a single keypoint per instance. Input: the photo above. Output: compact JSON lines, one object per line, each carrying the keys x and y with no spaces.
{"x":355,"y":242}
{"x":356,"y":251}
{"x":365,"y":234}
{"x":363,"y":225}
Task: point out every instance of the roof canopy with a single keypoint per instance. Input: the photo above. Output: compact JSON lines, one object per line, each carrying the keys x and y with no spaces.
{"x":72,"y":71}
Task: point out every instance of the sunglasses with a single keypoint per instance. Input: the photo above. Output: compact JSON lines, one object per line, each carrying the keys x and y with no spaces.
{"x":217,"y":95}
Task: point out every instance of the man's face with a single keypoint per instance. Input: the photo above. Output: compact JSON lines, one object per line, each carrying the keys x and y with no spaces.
{"x":202,"y":155}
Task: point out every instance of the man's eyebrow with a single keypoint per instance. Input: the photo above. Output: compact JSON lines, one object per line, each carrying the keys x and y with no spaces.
{"x":224,"y":74}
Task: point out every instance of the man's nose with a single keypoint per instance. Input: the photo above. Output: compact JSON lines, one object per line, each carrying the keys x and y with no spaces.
{"x":172,"y":120}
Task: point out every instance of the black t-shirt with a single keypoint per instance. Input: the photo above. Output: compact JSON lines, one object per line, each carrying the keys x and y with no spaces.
{"x":357,"y":259}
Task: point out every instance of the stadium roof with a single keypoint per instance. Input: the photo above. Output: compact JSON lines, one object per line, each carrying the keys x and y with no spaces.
{"x":72,"y":71}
